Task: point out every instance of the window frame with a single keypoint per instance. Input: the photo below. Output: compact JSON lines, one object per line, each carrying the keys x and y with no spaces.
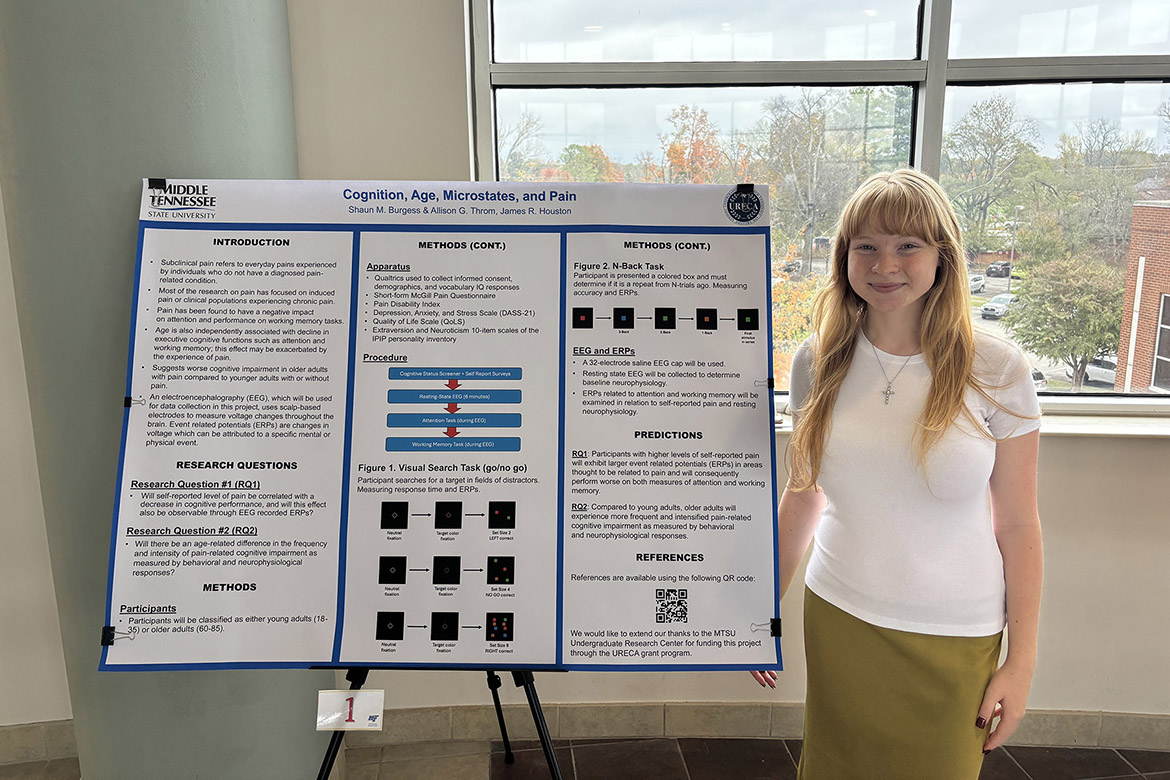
{"x":929,"y":76}
{"x":1162,"y":332}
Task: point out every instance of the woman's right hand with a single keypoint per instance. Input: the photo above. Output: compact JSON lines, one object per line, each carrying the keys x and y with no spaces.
{"x":765,"y":677}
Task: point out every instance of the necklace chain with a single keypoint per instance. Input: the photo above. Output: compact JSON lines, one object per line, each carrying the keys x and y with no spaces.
{"x":889,"y":382}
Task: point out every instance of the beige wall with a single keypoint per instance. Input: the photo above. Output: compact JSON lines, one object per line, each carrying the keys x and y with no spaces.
{"x":32,"y":664}
{"x":380,"y":89}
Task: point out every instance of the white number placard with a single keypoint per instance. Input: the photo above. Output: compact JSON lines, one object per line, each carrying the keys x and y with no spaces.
{"x":350,"y":710}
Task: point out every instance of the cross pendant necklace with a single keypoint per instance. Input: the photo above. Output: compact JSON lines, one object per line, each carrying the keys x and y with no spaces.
{"x":889,"y":382}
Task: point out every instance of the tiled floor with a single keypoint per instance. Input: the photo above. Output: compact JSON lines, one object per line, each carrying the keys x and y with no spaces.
{"x":57,"y":769}
{"x":697,"y":759}
{"x":767,"y":759}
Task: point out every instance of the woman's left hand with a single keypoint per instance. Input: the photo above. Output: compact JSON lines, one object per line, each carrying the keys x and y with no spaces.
{"x":1006,"y":698}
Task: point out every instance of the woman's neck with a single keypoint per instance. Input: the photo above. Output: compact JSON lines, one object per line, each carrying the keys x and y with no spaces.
{"x":893,"y":332}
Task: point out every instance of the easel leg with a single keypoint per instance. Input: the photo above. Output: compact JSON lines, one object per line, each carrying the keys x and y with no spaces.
{"x":356,"y":679}
{"x":525,"y":680}
{"x":494,"y":683}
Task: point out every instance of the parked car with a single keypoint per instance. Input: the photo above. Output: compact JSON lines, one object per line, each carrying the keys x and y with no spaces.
{"x":999,"y":268}
{"x":997,"y":306}
{"x":976,"y":282}
{"x":1039,"y":380}
{"x":1102,"y":369}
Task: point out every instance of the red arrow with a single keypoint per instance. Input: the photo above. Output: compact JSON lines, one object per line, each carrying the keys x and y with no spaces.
{"x":452,"y":432}
{"x":452,"y":408}
{"x":452,"y":383}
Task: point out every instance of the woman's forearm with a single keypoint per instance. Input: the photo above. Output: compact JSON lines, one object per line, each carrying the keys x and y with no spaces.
{"x":797,"y":520}
{"x":1023,"y":568}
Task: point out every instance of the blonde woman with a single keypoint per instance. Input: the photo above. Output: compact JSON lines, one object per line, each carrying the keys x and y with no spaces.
{"x":913,"y":473}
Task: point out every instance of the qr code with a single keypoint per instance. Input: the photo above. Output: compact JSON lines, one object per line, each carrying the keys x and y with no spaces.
{"x":670,"y":605}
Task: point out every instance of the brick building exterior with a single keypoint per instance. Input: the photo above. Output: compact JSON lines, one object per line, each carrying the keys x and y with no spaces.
{"x":1149,"y":341}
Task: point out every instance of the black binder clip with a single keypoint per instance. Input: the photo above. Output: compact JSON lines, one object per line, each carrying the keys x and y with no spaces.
{"x":156,"y":184}
{"x":745,"y":187}
{"x":127,"y":402}
{"x":107,"y":636}
{"x":775,"y":626}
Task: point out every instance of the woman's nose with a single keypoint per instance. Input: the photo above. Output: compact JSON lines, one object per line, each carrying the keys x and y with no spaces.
{"x":885,"y":263}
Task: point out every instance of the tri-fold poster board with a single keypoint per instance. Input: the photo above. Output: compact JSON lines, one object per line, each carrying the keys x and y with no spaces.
{"x":447,"y":425}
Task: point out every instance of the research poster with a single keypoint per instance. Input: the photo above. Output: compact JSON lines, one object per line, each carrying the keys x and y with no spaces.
{"x":430,"y":425}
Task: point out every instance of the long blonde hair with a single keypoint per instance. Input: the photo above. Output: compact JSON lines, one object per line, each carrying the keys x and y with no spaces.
{"x":904,"y":202}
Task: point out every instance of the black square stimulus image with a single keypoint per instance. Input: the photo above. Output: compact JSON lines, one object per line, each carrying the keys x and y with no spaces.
{"x":499,"y":626}
{"x":623,"y":318}
{"x":501,"y":570}
{"x":446,"y":570}
{"x":707,"y":319}
{"x":448,"y":514}
{"x":664,"y":318}
{"x":501,"y":514}
{"x":392,"y":570}
{"x":390,"y":625}
{"x":582,"y":317}
{"x":444,"y":626}
{"x":394,"y":514}
{"x":748,"y":319}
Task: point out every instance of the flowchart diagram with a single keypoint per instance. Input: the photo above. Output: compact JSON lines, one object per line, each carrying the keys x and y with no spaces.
{"x":454,"y":393}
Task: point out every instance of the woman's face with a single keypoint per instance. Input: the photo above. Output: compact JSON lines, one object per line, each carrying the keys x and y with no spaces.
{"x":890,"y":272}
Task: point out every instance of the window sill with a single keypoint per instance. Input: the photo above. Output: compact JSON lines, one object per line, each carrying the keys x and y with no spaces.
{"x":1119,"y":426}
{"x":1141,"y":417}
{"x":1119,"y":417}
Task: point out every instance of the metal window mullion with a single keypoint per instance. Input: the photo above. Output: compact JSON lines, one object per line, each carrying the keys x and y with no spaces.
{"x":931,"y":97}
{"x":652,"y":74}
{"x":1032,"y":69}
{"x":480,"y":104}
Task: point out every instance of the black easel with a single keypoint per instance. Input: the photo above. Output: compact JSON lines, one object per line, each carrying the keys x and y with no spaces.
{"x":357,"y":678}
{"x":526,"y":681}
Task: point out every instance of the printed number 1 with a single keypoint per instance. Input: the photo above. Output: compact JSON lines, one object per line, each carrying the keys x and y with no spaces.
{"x":350,"y":718}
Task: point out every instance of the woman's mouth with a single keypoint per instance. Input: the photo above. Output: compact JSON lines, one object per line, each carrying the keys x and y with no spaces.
{"x":885,"y":287}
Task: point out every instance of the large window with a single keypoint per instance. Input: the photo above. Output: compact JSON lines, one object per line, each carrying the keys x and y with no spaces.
{"x":1045,"y":121}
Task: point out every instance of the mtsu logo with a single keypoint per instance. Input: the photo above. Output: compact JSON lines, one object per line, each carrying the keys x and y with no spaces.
{"x":169,"y":199}
{"x":743,"y":205}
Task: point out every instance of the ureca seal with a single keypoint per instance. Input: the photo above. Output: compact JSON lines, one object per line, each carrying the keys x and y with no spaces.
{"x":743,"y":205}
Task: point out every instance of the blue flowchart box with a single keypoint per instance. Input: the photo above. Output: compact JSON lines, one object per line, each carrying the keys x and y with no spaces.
{"x":445,"y":374}
{"x":457,"y":444}
{"x":453,"y":396}
{"x":453,"y":420}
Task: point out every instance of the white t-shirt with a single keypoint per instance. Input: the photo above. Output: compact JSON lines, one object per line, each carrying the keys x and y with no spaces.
{"x":896,"y":547}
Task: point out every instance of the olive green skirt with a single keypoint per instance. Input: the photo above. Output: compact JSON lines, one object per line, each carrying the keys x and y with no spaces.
{"x":884,"y":704}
